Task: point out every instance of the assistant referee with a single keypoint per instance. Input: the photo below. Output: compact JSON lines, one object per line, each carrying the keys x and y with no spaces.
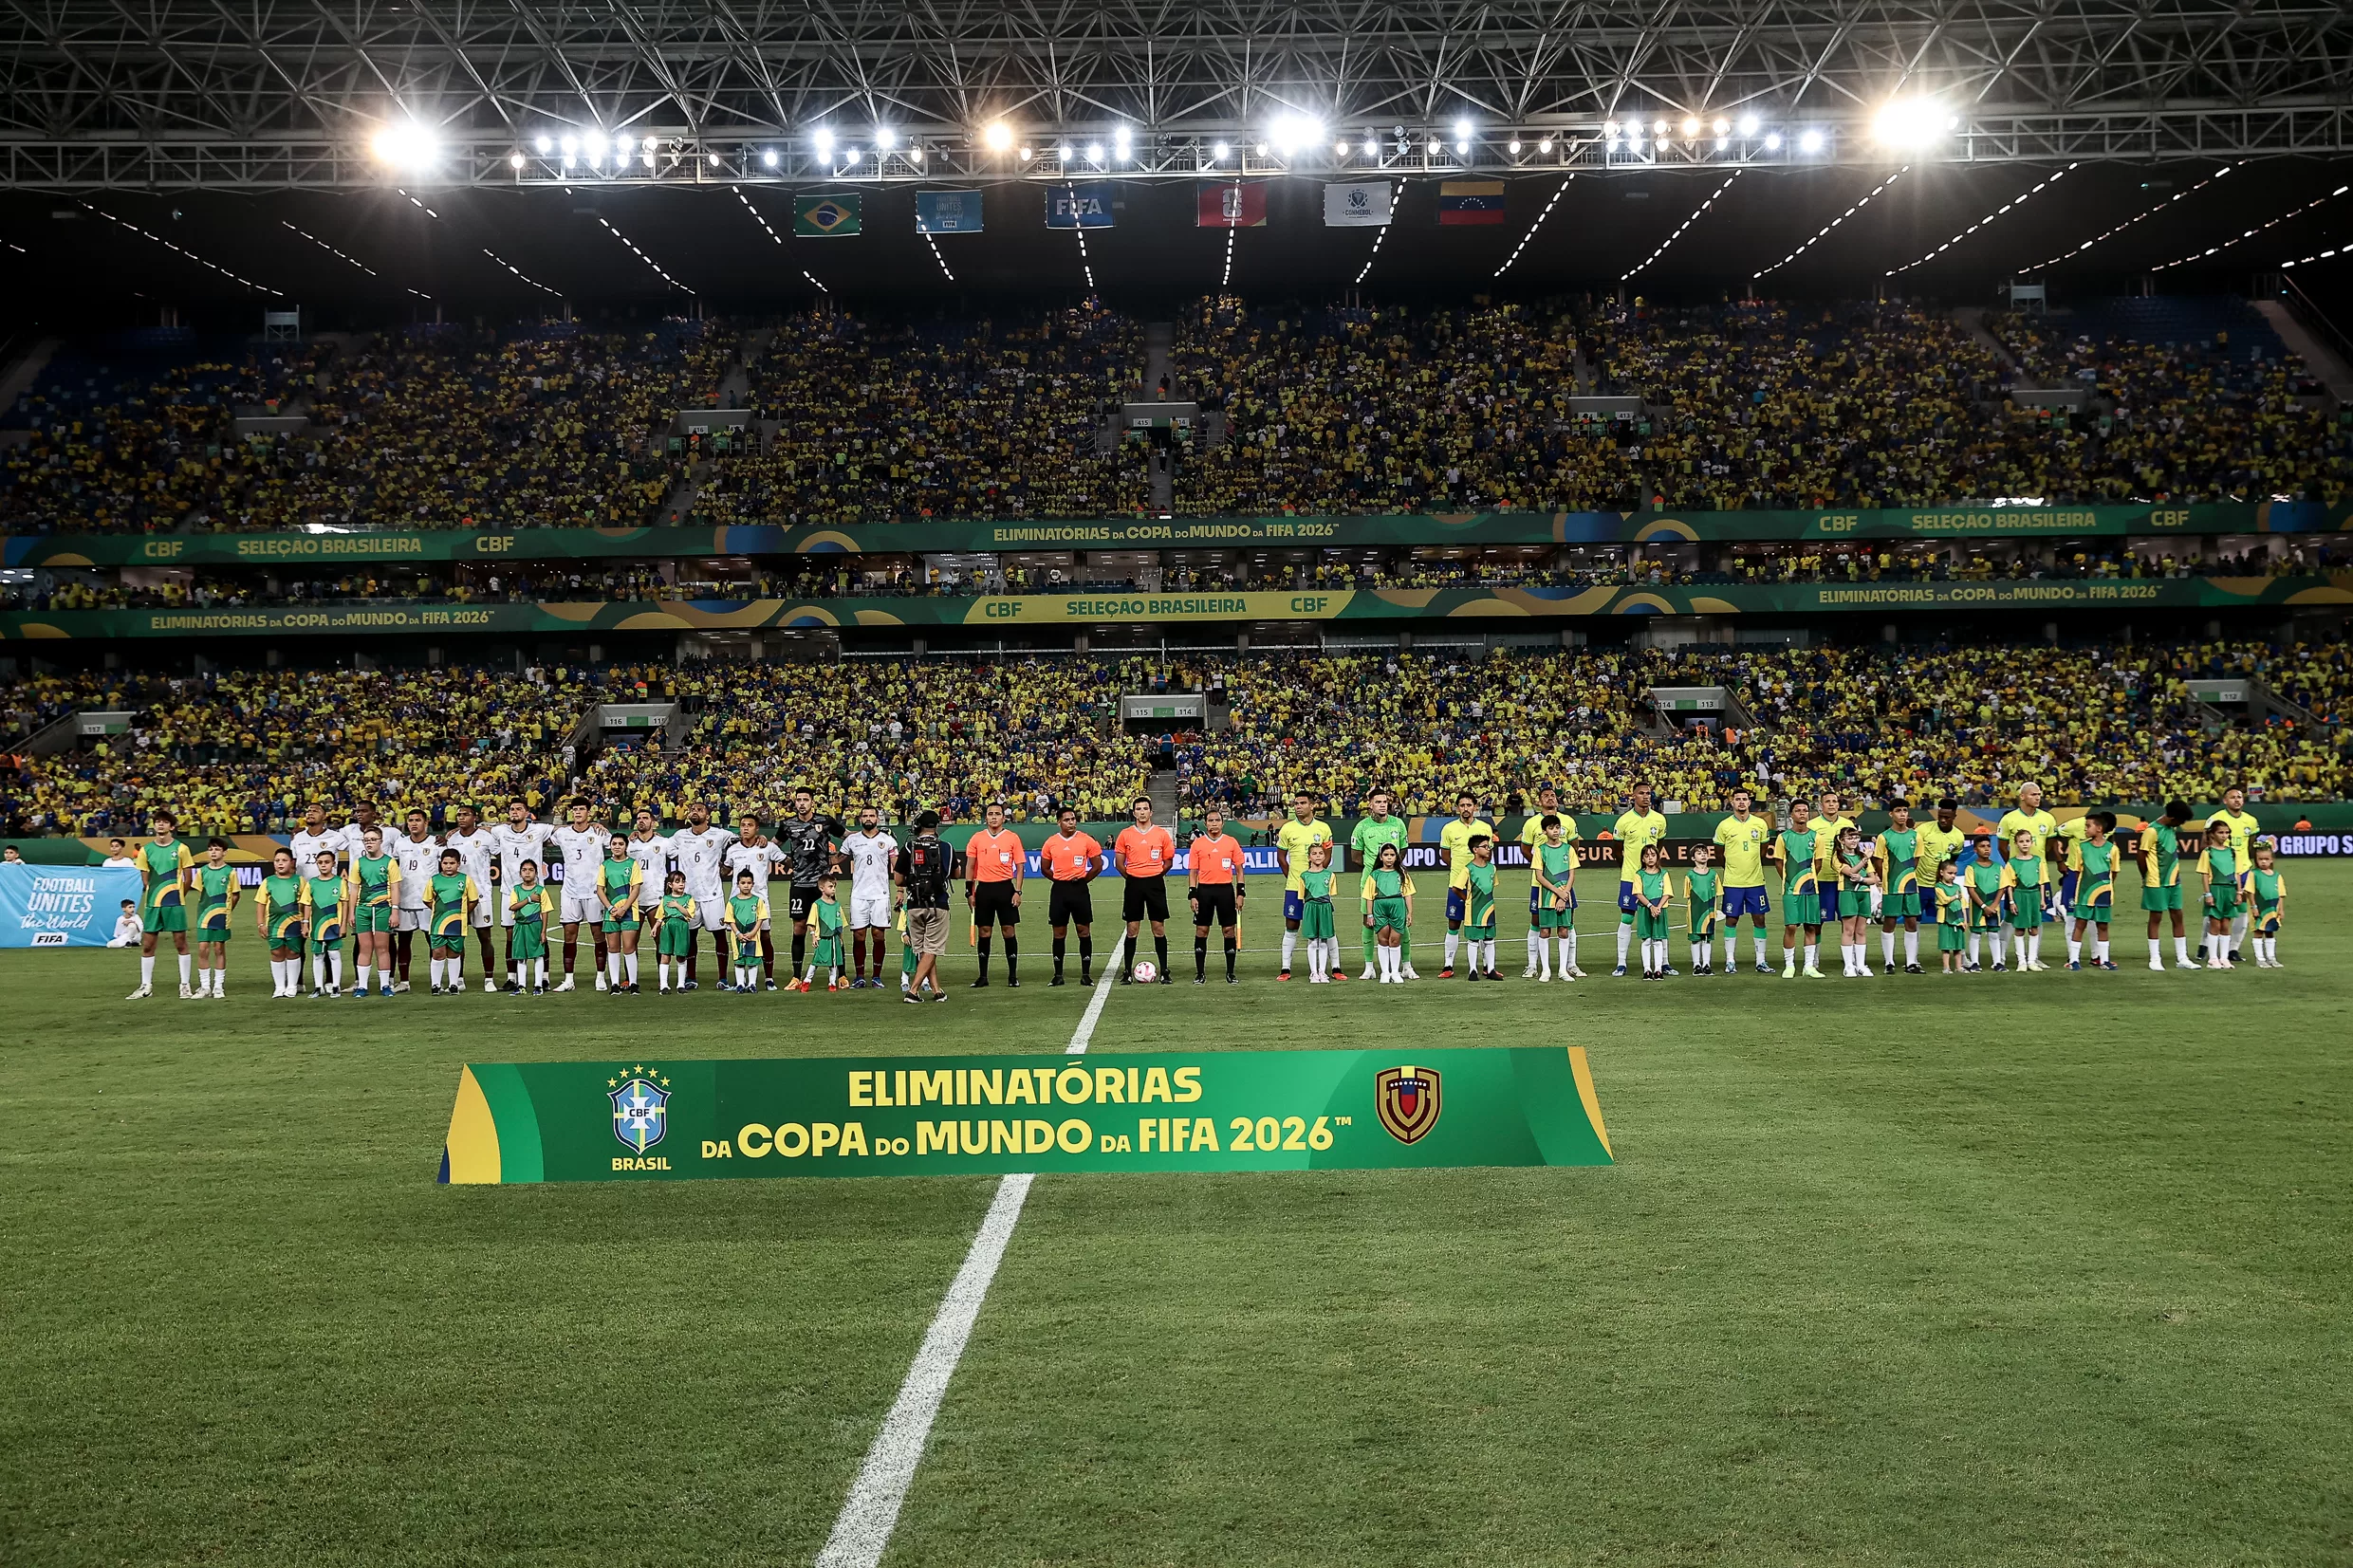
{"x":1214,"y":883}
{"x":993,"y":863}
{"x":1072,"y":861}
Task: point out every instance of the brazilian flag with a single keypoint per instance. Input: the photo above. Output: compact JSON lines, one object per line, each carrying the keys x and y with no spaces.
{"x":823,"y":218}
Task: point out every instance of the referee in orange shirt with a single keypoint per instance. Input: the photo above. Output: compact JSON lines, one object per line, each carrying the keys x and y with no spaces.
{"x":1214,"y":883}
{"x":1143,"y":854}
{"x":993,"y":863}
{"x":1072,"y":861}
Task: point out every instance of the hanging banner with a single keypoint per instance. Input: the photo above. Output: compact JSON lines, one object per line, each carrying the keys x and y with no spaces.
{"x":63,"y":905}
{"x":1236,"y":206}
{"x":1470,"y":201}
{"x":1363,"y":204}
{"x":654,"y":1120}
{"x":825,"y":217}
{"x":947,"y":211}
{"x":1084,"y":206}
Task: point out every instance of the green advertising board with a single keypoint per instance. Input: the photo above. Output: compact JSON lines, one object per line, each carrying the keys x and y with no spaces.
{"x":650,"y":1120}
{"x":1080,"y":611}
{"x":1404,"y":530}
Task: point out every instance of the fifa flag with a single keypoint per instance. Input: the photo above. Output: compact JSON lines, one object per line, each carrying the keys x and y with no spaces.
{"x":1233,"y":206}
{"x":947,"y":211}
{"x":63,"y":905}
{"x":1466,"y":202}
{"x":1364,"y":205}
{"x":823,"y":218}
{"x":1080,"y":206}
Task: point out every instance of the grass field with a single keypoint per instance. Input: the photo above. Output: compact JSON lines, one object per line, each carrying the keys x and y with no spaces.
{"x":2013,"y":1269}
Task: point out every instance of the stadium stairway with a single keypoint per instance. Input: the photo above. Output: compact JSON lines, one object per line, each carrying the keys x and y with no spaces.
{"x":2325,"y":364}
{"x":1160,"y":789}
{"x":1972,"y":320}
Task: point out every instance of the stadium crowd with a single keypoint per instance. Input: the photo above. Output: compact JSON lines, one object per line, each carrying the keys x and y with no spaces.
{"x":246,"y":751}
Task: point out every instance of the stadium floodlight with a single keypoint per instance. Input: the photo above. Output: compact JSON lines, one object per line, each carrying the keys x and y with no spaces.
{"x":1463,"y":130}
{"x":652,"y":142}
{"x":1094,"y":152}
{"x":997,"y":137}
{"x":1773,"y":142}
{"x":768,"y":157}
{"x":849,"y":155}
{"x":1122,"y":140}
{"x":570,"y":145}
{"x":1372,"y":148}
{"x":1747,"y":124}
{"x":822,"y":140}
{"x":1691,"y":127}
{"x":1545,"y":146}
{"x":914,"y":154}
{"x":514,"y":161}
{"x":1063,"y":152}
{"x":1028,"y":153}
{"x":884,"y":138}
{"x":1609,"y":129}
{"x":712,"y":160}
{"x":1218,"y":151}
{"x":544,"y":146}
{"x":1722,"y":126}
{"x":1514,"y":146}
{"x":646,"y":157}
{"x":1659,"y":128}
{"x":1290,"y":133}
{"x":407,"y":145}
{"x":1340,"y":148}
{"x":1912,"y":123}
{"x":1810,"y":143}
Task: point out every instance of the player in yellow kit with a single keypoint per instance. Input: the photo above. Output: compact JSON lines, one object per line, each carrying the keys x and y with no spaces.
{"x":1637,"y":830}
{"x":1741,"y":838}
{"x":1455,"y":852}
{"x":1291,"y":842}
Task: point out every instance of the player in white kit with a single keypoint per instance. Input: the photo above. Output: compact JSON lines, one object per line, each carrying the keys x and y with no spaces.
{"x":650,"y":848}
{"x":419,"y":857}
{"x":699,"y":850}
{"x":519,"y":838}
{"x":759,"y":855}
{"x":582,"y":842}
{"x":477,"y":847}
{"x":870,"y":853}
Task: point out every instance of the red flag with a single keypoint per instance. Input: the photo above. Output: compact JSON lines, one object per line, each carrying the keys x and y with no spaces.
{"x":1233,"y":206}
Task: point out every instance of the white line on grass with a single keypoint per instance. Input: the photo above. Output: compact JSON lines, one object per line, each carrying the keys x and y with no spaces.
{"x":862,"y":1530}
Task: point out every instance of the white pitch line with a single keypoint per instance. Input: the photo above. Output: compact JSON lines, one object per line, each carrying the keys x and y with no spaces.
{"x":862,"y":1530}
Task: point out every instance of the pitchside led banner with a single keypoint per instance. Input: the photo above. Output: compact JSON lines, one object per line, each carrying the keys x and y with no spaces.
{"x":671,"y":1120}
{"x":63,"y":905}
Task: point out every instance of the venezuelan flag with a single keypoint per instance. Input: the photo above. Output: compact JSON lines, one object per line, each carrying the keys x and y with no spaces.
{"x":1467,"y":201}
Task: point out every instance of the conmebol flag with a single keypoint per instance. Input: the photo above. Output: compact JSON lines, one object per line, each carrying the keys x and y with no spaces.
{"x":1362,"y":204}
{"x":1462,"y":202}
{"x":1233,"y":206}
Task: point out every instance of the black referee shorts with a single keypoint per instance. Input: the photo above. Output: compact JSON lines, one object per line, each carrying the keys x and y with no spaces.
{"x":1070,"y":904}
{"x":1213,"y":902}
{"x":993,"y":904}
{"x":1146,"y":898}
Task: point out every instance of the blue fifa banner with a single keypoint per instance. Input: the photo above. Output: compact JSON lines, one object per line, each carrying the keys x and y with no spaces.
{"x":63,"y":905}
{"x":1086,"y":206}
{"x":947,"y":211}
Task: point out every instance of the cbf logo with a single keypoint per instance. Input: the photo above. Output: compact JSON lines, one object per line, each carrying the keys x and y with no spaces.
{"x":640,"y":1107}
{"x":1406,"y":1099}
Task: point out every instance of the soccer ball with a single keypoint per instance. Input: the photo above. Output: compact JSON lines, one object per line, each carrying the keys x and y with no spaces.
{"x":1146,"y":971}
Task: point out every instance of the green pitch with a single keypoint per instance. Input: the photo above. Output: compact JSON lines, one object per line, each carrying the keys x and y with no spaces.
{"x":1999,"y":1269}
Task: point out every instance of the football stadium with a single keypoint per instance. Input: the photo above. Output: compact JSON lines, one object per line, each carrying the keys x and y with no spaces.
{"x":721,"y":730}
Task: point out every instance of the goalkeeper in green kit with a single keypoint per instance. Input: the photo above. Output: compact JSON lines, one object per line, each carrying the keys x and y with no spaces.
{"x":1374,"y":833}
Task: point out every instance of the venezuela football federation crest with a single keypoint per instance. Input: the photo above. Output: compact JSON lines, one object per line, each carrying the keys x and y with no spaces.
{"x":1406,"y":1099}
{"x":641,"y":1108}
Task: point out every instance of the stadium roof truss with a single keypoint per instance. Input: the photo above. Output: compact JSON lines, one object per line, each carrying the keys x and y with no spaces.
{"x":294,"y":94}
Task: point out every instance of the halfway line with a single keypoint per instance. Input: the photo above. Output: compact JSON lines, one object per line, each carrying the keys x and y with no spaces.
{"x":862,"y":1530}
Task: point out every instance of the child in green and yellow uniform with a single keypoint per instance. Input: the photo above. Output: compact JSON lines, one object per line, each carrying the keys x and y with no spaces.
{"x":374,"y":893}
{"x":1901,"y":893}
{"x":2159,"y":847}
{"x":2268,"y":888}
{"x":450,"y":898}
{"x":1552,"y":869}
{"x":1316,"y":923}
{"x":278,"y":916}
{"x":215,"y":886}
{"x":1857,"y":877}
{"x":620,"y":879}
{"x":1388,"y":895}
{"x":2092,"y":860}
{"x":531,"y":904}
{"x":1987,"y":878}
{"x":675,"y":921}
{"x":326,"y":911}
{"x":1478,"y":908}
{"x":1796,"y":848}
{"x":163,"y":867}
{"x":1700,"y":890}
{"x":1951,"y":915}
{"x":826,"y":952}
{"x":746,"y":912}
{"x":1651,"y":889}
{"x":2023,"y":877}
{"x":2219,"y":866}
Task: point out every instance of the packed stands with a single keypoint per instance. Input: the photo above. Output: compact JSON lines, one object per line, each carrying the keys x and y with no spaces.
{"x":985,"y":418}
{"x":246,"y":751}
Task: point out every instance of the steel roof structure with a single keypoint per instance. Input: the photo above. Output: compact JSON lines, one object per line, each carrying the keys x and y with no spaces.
{"x":275,"y":95}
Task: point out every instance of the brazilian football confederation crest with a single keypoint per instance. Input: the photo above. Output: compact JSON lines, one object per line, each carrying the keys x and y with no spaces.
{"x":641,"y":1108}
{"x":1406,"y":1099}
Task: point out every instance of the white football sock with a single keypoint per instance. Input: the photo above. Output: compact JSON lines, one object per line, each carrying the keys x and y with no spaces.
{"x":1811,"y":949}
{"x":2181,"y":949}
{"x":1290,"y":944}
{"x":2075,"y":950}
{"x":1453,"y":940}
{"x":365,"y":972}
{"x":1569,"y":946}
{"x":1910,"y":949}
{"x":629,"y":966}
{"x":186,"y":962}
{"x":1888,"y":948}
{"x":1626,"y":936}
{"x":2100,"y":949}
{"x":1535,"y":946}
